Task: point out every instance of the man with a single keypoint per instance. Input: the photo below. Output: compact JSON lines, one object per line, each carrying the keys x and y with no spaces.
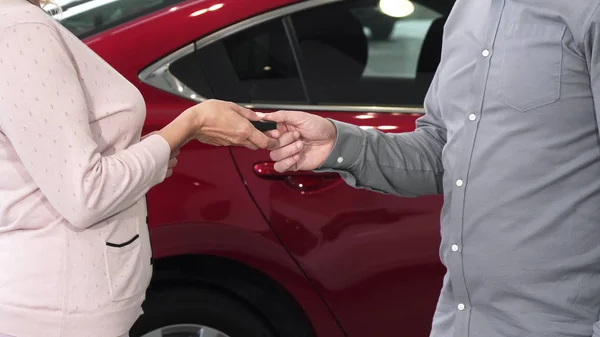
{"x":510,"y":137}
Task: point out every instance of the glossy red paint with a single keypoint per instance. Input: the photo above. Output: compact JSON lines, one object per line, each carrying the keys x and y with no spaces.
{"x":366,"y":260}
{"x":373,"y":257}
{"x":133,"y":46}
{"x":204,"y":208}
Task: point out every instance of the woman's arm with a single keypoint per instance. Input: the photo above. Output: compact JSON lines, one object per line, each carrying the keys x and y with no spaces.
{"x":43,"y":113}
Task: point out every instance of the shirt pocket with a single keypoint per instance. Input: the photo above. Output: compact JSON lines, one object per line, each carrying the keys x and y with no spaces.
{"x":531,"y":65}
{"x":124,"y":268}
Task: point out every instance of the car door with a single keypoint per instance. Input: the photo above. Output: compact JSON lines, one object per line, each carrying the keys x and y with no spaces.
{"x":372,"y":257}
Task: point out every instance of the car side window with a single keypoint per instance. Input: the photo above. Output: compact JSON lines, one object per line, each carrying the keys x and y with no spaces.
{"x":255,"y":65}
{"x":359,"y":52}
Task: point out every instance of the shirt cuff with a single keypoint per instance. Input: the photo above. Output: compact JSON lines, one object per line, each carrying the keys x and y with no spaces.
{"x":160,"y":152}
{"x":348,"y":145}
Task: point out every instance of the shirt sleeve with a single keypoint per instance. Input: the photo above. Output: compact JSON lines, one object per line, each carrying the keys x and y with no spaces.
{"x":405,"y":164}
{"x":44,"y":115}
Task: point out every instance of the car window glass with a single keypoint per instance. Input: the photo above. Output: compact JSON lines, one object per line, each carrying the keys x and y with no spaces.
{"x":87,"y":17}
{"x":252,"y":66}
{"x":361,"y":52}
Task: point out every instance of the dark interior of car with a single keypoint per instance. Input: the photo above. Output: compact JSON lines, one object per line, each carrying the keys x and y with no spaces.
{"x":259,"y":65}
{"x":336,"y":51}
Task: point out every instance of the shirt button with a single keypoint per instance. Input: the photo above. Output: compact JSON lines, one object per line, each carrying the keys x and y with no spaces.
{"x":340,"y":160}
{"x":461,"y":307}
{"x":454,"y":248}
{"x":485,"y":53}
{"x":459,"y":183}
{"x":472,"y":117}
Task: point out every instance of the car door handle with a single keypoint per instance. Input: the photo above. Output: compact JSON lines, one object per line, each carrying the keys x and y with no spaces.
{"x":303,"y":181}
{"x":267,"y":170}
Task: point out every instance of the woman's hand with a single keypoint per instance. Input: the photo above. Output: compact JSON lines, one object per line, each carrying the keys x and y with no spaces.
{"x":172,"y":163}
{"x":218,"y":123}
{"x":223,"y":123}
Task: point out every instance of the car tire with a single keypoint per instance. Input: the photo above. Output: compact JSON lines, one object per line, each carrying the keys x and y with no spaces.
{"x":189,"y":306}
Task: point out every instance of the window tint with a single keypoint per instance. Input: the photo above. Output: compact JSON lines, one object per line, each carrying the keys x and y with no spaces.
{"x":253,"y":66}
{"x":353,"y":53}
{"x":87,"y":17}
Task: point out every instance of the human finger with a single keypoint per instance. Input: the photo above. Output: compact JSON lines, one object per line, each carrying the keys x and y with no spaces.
{"x":283,"y":128}
{"x":287,"y":138}
{"x":248,"y":144}
{"x":282,"y":116}
{"x":287,"y":151}
{"x":247,"y":113}
{"x":172,"y":163}
{"x":287,"y":164}
{"x":274,"y":133}
{"x":261,"y":140}
{"x":286,"y":120}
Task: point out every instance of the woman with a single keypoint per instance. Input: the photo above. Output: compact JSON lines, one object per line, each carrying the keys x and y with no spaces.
{"x":74,"y":245}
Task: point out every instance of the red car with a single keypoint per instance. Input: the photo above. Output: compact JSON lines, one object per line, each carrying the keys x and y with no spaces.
{"x":239,"y":249}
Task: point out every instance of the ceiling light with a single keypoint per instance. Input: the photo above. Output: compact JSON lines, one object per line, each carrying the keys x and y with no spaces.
{"x":396,"y":8}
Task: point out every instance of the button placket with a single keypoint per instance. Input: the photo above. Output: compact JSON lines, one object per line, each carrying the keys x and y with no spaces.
{"x":456,"y":255}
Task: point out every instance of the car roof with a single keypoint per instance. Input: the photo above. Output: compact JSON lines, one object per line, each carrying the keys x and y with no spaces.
{"x":181,"y":17}
{"x":133,"y":45}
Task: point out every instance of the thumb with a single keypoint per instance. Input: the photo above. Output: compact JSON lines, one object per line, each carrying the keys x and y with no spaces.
{"x":246,"y":113}
{"x":283,"y":116}
{"x":251,"y":115}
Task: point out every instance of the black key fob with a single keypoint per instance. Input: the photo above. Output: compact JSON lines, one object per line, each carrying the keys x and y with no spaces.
{"x":264,"y":126}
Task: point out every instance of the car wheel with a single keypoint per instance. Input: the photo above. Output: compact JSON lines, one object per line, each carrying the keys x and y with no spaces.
{"x":197,"y":312}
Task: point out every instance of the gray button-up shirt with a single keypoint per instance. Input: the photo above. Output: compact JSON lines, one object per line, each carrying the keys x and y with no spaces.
{"x":510,"y":137}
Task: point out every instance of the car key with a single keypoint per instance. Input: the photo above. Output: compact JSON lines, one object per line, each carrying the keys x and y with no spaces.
{"x":264,"y":126}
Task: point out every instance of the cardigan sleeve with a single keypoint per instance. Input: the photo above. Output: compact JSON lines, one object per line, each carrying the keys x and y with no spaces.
{"x":44,"y":115}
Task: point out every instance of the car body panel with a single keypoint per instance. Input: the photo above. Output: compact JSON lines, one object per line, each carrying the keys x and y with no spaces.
{"x":259,"y":249}
{"x":204,"y":208}
{"x":373,"y":257}
{"x":369,"y":258}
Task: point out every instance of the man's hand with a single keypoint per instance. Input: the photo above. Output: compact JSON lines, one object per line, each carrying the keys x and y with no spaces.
{"x":305,"y":140}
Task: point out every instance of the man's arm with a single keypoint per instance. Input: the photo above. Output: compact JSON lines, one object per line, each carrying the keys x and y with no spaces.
{"x":405,"y":164}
